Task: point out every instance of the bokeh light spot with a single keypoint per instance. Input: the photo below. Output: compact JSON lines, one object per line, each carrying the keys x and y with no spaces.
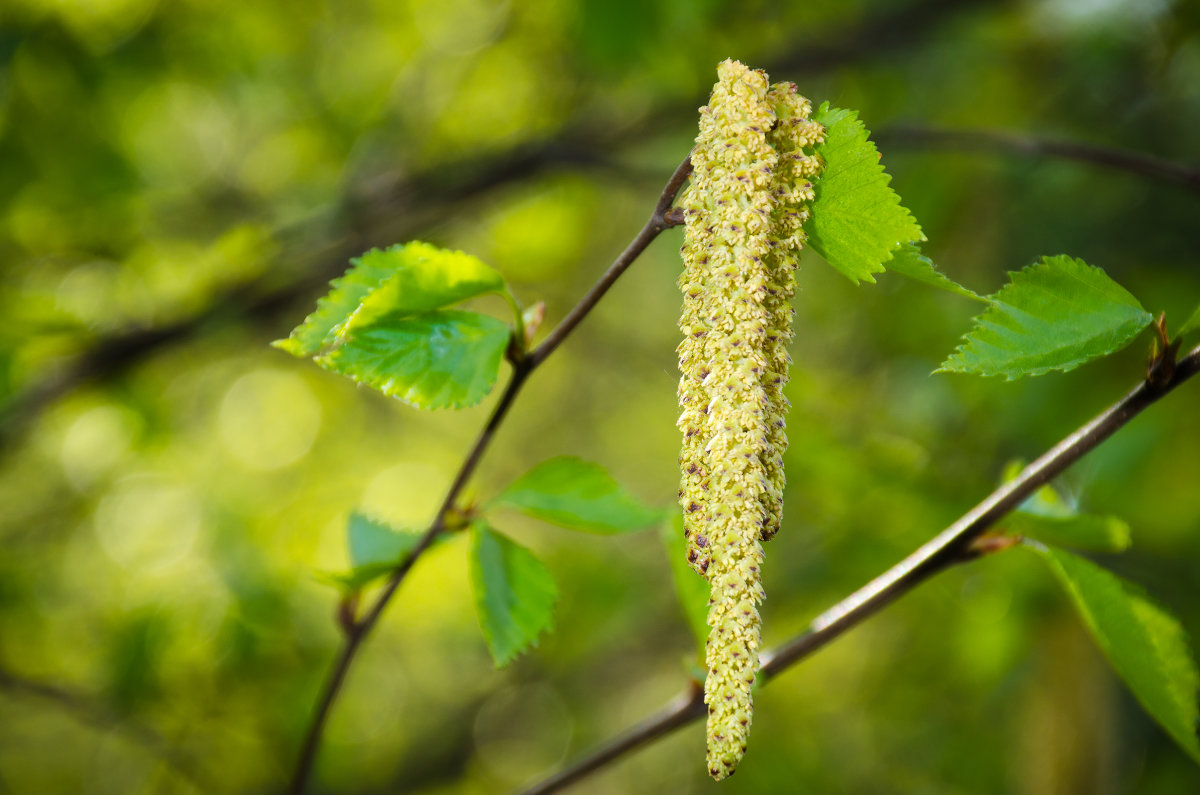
{"x":148,"y":524}
{"x":406,"y":494}
{"x":96,"y":442}
{"x":269,"y":419}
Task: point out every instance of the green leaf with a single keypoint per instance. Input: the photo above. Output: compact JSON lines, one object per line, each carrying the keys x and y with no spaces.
{"x":690,"y":587}
{"x":1082,"y":531}
{"x":424,"y":278}
{"x":857,"y":220}
{"x":908,"y":261}
{"x":318,"y":330}
{"x":1144,"y":643}
{"x":1047,"y":516}
{"x":1191,"y":324}
{"x":372,"y":541}
{"x":358,"y":577}
{"x":375,"y":547}
{"x":514,"y":593}
{"x":404,"y":279}
{"x":1054,"y":315}
{"x":578,"y":495}
{"x":443,"y":359}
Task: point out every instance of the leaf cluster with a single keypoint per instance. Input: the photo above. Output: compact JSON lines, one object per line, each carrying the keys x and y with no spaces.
{"x":392,"y":323}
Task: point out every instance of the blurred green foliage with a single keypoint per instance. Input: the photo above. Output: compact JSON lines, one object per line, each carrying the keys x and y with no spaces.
{"x":200,"y":168}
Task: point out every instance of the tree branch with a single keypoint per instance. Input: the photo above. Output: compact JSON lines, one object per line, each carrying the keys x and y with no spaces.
{"x":660,"y":220}
{"x":657,"y":223}
{"x":947,"y":548}
{"x":1137,"y":163}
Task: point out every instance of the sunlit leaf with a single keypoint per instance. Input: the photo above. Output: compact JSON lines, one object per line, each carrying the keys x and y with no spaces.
{"x":442,"y":359}
{"x":319,"y":329}
{"x":857,"y":220}
{"x":424,"y":278}
{"x":514,"y":593}
{"x":1054,"y":315}
{"x":908,"y":261}
{"x":690,"y":587}
{"x":578,"y":495}
{"x":403,"y":280}
{"x":1145,"y":644}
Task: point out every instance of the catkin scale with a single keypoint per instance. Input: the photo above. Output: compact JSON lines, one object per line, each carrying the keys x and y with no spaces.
{"x":751,"y":180}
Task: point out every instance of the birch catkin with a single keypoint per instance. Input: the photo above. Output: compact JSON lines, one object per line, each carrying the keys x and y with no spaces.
{"x":744,"y":209}
{"x":793,"y":138}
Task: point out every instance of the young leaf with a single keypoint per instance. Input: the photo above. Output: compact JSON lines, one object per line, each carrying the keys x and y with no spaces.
{"x":908,"y":261}
{"x":1191,"y":324}
{"x":424,"y":278}
{"x":1145,"y":644}
{"x":404,"y":279}
{"x":578,"y":495}
{"x":443,"y":359}
{"x":514,"y":593}
{"x":1047,"y":517}
{"x":857,"y":219}
{"x":1054,"y":315}
{"x":319,"y":329}
{"x":690,"y":587}
{"x":373,"y":542}
{"x":1080,"y":531}
{"x":375,"y":550}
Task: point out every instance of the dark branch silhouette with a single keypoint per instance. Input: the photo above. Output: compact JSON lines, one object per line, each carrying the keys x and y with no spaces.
{"x":91,"y":712}
{"x":989,"y":141}
{"x":399,"y":208}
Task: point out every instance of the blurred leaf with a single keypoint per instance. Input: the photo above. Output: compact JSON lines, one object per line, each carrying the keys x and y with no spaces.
{"x":372,"y":541}
{"x":1191,"y":324}
{"x":356,"y":578}
{"x":375,"y":550}
{"x":857,"y":220}
{"x":1144,"y":643}
{"x":402,"y":280}
{"x":442,"y":359}
{"x":134,"y":657}
{"x":607,"y":41}
{"x":908,"y":261}
{"x":1081,"y":531}
{"x":1054,"y":315}
{"x":578,"y":495}
{"x":514,"y":593}
{"x":690,"y":587}
{"x":1047,"y":517}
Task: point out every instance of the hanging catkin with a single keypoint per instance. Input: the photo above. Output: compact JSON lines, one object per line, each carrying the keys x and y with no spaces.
{"x":793,"y":138}
{"x":744,"y":208}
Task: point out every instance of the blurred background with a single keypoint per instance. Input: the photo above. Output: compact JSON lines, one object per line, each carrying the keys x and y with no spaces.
{"x":178,"y":180}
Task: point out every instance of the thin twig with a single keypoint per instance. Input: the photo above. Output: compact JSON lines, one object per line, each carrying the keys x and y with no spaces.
{"x":951,"y":546}
{"x":1031,"y":145}
{"x":682,"y":710}
{"x":358,"y":631}
{"x":657,"y":223}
